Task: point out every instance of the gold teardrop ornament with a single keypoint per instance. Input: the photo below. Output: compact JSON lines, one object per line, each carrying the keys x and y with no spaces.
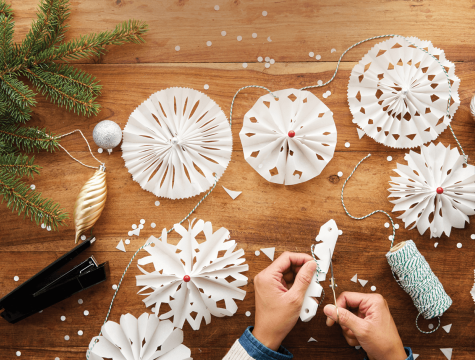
{"x":90,"y":202}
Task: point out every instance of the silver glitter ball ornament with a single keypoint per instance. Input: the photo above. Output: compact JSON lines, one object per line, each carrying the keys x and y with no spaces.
{"x":107,"y":135}
{"x":472,"y":107}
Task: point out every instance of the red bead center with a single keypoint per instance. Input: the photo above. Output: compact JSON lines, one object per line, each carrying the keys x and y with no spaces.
{"x":186,"y":278}
{"x":291,"y":133}
{"x":440,"y":190}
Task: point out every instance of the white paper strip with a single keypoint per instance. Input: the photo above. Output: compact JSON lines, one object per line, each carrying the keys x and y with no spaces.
{"x":310,"y":305}
{"x":233,"y":194}
{"x":195,"y":275}
{"x":269,"y":252}
{"x":175,"y":142}
{"x":434,"y":190}
{"x":289,"y":140}
{"x":326,"y":241}
{"x":398,"y":93}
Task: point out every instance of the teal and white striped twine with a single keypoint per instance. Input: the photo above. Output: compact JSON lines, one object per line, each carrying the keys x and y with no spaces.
{"x":412,"y":272}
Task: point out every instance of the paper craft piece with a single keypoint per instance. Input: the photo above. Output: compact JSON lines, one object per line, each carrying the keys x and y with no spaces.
{"x":175,"y":142}
{"x":415,"y":356}
{"x":398,"y":93}
{"x":312,"y":339}
{"x":447,"y":352}
{"x":434,"y":190}
{"x":354,"y":278}
{"x":361,"y":133}
{"x":145,"y":338}
{"x":269,"y":252}
{"x":121,"y":246}
{"x":310,"y":305}
{"x":326,"y":240}
{"x":472,"y":292}
{"x":192,"y":277}
{"x":447,"y":328}
{"x":363,"y":282}
{"x":291,"y":139}
{"x":233,"y":194}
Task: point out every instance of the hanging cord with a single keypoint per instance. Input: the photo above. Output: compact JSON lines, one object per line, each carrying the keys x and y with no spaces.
{"x":237,"y":92}
{"x":87,"y":142}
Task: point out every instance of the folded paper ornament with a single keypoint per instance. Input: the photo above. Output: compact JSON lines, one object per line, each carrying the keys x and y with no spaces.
{"x":177,"y":143}
{"x":145,"y":338}
{"x":399,"y":92}
{"x":196,"y":279}
{"x":434,"y":190}
{"x":288,"y":139}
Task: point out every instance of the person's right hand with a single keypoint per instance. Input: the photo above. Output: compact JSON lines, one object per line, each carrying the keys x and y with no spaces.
{"x":371,"y":326}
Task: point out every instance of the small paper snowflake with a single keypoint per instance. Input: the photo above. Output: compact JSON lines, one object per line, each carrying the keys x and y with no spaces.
{"x":435,"y":190}
{"x":192,"y":277}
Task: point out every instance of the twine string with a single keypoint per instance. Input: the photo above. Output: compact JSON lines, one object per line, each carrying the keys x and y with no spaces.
{"x":87,"y":142}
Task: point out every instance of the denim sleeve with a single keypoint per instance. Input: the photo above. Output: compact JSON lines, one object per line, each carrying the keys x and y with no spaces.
{"x":409,"y":354}
{"x":256,"y":350}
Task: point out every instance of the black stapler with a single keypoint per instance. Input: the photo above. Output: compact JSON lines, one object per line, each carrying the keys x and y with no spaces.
{"x":56,"y":282}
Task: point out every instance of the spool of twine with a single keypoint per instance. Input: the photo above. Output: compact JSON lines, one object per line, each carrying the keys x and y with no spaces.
{"x":414,"y":275}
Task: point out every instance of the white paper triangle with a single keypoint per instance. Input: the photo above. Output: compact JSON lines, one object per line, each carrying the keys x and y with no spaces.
{"x":363,"y":282}
{"x":269,"y":252}
{"x":447,"y":352}
{"x":415,"y":356}
{"x":447,"y":328}
{"x":136,"y":232}
{"x":354,"y":278}
{"x":121,"y":246}
{"x":361,"y":133}
{"x":312,"y":339}
{"x":233,"y":194}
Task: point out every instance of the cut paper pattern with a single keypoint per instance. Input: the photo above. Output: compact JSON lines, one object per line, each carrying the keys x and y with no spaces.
{"x":121,"y":246}
{"x":269,"y":252}
{"x":360,"y":132}
{"x":447,"y":328}
{"x":176,"y":142}
{"x":196,"y":278}
{"x":363,"y":282}
{"x":233,"y":194}
{"x":435,"y":190}
{"x":398,"y":93}
{"x":291,"y":139}
{"x":447,"y":352}
{"x":310,"y":305}
{"x":354,"y":278}
{"x":312,"y":339}
{"x":145,"y":338}
{"x":326,"y":240}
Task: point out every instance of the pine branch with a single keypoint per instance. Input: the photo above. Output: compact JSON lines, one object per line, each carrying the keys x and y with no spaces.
{"x":28,"y":139}
{"x":5,"y":10}
{"x":6,"y":34}
{"x":39,"y":28}
{"x":7,"y":149}
{"x":18,"y":165}
{"x":21,"y":198}
{"x":12,"y":107}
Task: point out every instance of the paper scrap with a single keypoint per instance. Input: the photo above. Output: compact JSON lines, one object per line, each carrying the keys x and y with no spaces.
{"x":310,"y":305}
{"x":415,"y":356}
{"x":361,"y":133}
{"x":354,"y":278}
{"x":447,"y":352}
{"x":312,"y":339}
{"x":121,"y":246}
{"x":269,"y":252}
{"x":326,"y":241}
{"x":472,"y":292}
{"x":233,"y":194}
{"x":134,"y":232}
{"x":447,"y":328}
{"x":363,"y":282}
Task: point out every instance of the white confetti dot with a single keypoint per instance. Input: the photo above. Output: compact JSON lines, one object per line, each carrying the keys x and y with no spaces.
{"x":267,"y":65}
{"x":18,"y":353}
{"x":386,"y":225}
{"x":223,"y":33}
{"x":63,"y":318}
{"x":340,"y":173}
{"x":257,"y":253}
{"x":311,"y":54}
{"x":80,"y":332}
{"x":325,"y":95}
{"x":264,"y":13}
{"x":100,"y":150}
{"x":431,"y":326}
{"x":267,"y":59}
{"x":389,"y":158}
{"x":127,"y":241}
{"x":43,"y":226}
{"x":16,"y":278}
{"x":114,"y":287}
{"x":340,"y":232}
{"x":48,"y":228}
{"x":244,"y":65}
{"x":80,"y":301}
{"x":216,"y":7}
{"x":260,"y":59}
{"x":239,"y":38}
{"x":130,"y":233}
{"x":347,"y":144}
{"x":142,"y":221}
{"x":329,"y":92}
{"x":66,"y":338}
{"x":141,"y":226}
{"x":459,"y":245}
{"x":248,"y":313}
{"x":435,"y":245}
{"x":86,"y":312}
{"x":318,"y":57}
{"x":177,"y":48}
{"x":396,"y":226}
{"x":357,"y":347}
{"x":209,"y":43}
{"x":134,"y":226}
{"x":390,"y":237}
{"x":373,"y":288}
{"x":320,"y":82}
{"x":254,"y":35}
{"x":206,"y":87}
{"x":269,"y":39}
{"x":153,"y":225}
{"x":83,"y":237}
{"x":39,"y":312}
{"x":57,"y":358}
{"x":472,"y":236}
{"x":333,"y":50}
{"x":272,"y":61}
{"x":157,"y":203}
{"x":32,"y":187}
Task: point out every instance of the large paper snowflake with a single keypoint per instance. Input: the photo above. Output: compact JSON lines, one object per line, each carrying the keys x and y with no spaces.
{"x":290,"y":139}
{"x":435,"y":190}
{"x":195,"y":275}
{"x":145,"y":338}
{"x":398,"y":93}
{"x":177,"y":143}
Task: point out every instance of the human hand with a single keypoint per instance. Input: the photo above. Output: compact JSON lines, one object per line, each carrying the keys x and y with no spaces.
{"x":371,"y":326}
{"x":280,"y":290}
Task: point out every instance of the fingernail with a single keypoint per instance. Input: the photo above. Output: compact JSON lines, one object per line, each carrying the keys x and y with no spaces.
{"x":328,"y":310}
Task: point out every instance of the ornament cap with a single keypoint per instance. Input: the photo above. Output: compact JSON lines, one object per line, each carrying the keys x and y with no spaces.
{"x":291,"y":133}
{"x":440,"y":190}
{"x":186,"y":278}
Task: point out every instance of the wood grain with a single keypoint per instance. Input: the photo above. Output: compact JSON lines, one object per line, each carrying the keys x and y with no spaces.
{"x":265,"y":214}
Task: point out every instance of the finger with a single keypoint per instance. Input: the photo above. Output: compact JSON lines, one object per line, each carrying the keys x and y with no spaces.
{"x":330,"y":322}
{"x":345,"y":318}
{"x":303,"y":279}
{"x":287,"y":259}
{"x":350,"y":341}
{"x":352,"y":299}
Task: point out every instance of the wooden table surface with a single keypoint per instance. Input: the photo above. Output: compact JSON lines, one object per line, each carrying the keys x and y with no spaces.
{"x":265,"y":214}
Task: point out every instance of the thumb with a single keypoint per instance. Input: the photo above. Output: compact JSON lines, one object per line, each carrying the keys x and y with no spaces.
{"x":303,"y":279}
{"x":346,"y":318}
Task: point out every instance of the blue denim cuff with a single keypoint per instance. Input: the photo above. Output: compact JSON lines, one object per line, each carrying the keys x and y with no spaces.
{"x":256,"y":350}
{"x":409,"y":354}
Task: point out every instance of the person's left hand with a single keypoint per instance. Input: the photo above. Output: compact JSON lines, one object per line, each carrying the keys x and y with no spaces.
{"x":280,"y":290}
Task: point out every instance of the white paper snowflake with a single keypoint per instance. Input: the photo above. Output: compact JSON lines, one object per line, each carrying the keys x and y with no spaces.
{"x":176,"y":142}
{"x":197,"y":275}
{"x":435,"y":190}
{"x":398,"y":93}
{"x":145,"y":338}
{"x":291,"y":139}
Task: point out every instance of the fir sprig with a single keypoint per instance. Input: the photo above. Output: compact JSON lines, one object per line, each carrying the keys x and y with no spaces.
{"x":18,"y":165}
{"x":28,"y":139}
